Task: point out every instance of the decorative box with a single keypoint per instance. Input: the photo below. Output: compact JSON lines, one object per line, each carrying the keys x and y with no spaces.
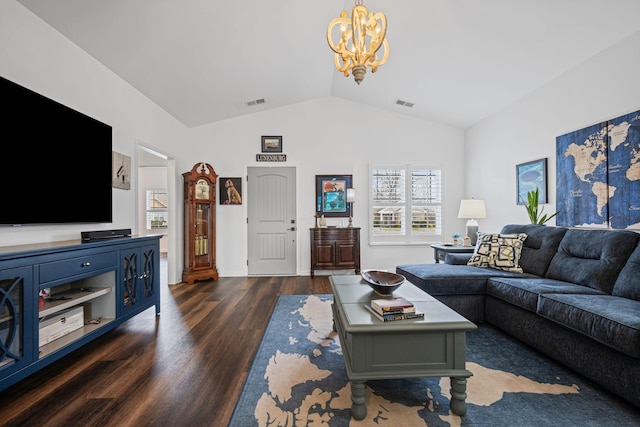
{"x":60,"y":324}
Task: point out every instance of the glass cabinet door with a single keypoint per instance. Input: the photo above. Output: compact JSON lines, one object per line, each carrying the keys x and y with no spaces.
{"x":201,"y":249}
{"x":16,"y":306}
{"x":130,"y":270}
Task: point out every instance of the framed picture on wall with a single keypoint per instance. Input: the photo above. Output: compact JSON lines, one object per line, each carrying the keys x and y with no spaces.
{"x":331,"y":195}
{"x":121,"y":175}
{"x":529,"y":176}
{"x":230,"y":191}
{"x":272,"y":144}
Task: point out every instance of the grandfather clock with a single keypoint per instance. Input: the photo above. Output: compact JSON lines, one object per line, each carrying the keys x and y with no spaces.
{"x":199,"y":224}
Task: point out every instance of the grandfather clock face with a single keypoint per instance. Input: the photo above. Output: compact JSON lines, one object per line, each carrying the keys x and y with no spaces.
{"x":202,"y":189}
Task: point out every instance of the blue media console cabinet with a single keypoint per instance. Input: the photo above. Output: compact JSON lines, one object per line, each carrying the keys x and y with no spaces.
{"x":108,"y":281}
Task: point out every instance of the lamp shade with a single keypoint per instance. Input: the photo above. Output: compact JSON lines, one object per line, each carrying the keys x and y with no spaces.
{"x":472,"y":209}
{"x":351,"y":195}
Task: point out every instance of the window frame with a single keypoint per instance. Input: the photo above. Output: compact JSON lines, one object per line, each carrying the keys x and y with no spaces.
{"x":163,"y":212}
{"x":407,"y":237}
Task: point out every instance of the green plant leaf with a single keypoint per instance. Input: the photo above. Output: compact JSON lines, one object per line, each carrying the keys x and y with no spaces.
{"x":536,"y":216}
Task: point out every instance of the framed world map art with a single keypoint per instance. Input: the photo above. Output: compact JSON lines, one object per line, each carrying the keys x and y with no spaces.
{"x":598,"y":175}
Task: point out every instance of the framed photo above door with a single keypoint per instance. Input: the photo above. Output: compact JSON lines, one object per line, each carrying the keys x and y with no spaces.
{"x":272,"y":144}
{"x":331,"y":195}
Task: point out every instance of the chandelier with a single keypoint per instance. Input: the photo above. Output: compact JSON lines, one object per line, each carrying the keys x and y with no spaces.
{"x":361,"y":36}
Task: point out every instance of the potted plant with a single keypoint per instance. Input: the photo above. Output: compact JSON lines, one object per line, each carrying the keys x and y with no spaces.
{"x":531,"y":205}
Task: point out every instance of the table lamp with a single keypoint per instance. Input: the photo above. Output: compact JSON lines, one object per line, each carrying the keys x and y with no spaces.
{"x":351,"y":197}
{"x":472,"y":209}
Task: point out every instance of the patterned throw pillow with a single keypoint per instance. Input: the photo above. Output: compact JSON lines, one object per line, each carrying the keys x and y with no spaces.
{"x":499,"y":251}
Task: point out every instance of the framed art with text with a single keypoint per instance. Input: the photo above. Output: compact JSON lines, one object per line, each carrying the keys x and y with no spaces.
{"x":598,"y":175}
{"x":331,"y":195}
{"x":529,"y":176}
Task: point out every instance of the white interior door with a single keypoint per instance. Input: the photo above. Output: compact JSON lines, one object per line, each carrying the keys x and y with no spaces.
{"x":272,"y":227}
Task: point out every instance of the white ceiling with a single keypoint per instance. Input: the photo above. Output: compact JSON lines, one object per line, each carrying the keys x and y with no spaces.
{"x":458,"y":61}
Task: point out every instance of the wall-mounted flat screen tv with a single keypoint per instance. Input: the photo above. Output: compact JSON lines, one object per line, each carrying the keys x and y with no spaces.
{"x":56,"y":162}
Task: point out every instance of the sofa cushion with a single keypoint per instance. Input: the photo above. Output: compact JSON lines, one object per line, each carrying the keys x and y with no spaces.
{"x":445,"y":279}
{"x":539,"y":247}
{"x":628,"y":283}
{"x":524,"y":292}
{"x":592,"y":258}
{"x":499,"y":251}
{"x":611,"y":320}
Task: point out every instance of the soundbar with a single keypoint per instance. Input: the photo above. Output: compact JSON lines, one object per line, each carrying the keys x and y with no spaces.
{"x":88,"y":236}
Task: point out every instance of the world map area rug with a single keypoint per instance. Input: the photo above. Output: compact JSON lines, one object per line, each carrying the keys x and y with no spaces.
{"x":298,"y":378}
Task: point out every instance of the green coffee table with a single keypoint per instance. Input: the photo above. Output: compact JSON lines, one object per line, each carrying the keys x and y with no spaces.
{"x":431,"y":347}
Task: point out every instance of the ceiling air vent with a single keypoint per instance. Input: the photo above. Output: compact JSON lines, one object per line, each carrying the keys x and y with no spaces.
{"x":404,"y":103}
{"x":255,"y":102}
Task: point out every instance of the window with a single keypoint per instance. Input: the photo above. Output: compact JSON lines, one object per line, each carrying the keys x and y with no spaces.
{"x":157,"y":209}
{"x":406,"y":204}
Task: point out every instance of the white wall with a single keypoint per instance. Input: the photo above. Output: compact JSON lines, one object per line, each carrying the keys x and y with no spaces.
{"x":326,"y":136}
{"x":36,"y":56}
{"x":604,"y":87}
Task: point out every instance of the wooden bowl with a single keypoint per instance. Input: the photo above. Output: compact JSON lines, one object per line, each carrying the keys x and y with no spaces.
{"x":383,"y":282}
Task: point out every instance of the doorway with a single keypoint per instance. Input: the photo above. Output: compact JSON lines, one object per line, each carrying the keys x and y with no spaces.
{"x":272,"y":222}
{"x":149,"y":157}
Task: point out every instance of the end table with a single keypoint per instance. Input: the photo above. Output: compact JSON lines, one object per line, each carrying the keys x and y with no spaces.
{"x":440,"y":250}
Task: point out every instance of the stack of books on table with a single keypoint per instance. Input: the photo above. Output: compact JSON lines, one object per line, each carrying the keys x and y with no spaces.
{"x":390,"y":309}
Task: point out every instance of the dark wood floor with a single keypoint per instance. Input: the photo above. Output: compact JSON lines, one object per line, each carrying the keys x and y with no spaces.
{"x":184,"y":368}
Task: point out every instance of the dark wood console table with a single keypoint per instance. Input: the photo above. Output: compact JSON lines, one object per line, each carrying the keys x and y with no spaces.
{"x":334,"y":248}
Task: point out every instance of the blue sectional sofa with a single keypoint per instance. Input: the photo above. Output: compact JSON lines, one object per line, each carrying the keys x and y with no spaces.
{"x":576,"y":300}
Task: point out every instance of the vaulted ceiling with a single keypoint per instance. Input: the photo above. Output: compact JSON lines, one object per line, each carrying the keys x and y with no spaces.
{"x":457,"y":61}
